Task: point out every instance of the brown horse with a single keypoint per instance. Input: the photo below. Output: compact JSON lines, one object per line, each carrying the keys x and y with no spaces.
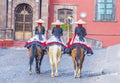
{"x":35,"y":52}
{"x":54,"y":53}
{"x":78,"y":58}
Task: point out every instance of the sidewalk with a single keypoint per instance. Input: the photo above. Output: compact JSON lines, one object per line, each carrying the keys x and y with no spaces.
{"x":113,"y":60}
{"x":111,"y":69}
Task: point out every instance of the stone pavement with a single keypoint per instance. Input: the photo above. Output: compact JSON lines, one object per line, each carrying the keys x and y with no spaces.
{"x":102,"y":67}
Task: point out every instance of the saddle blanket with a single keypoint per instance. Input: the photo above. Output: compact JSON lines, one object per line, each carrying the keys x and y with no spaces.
{"x":76,"y":40}
{"x":36,"y":38}
{"x":54,"y":40}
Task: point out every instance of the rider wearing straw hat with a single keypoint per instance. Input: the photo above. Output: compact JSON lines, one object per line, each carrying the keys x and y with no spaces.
{"x":39,"y":34}
{"x":80,"y":31}
{"x":39,"y":29}
{"x":79,"y":37}
{"x":57,"y":31}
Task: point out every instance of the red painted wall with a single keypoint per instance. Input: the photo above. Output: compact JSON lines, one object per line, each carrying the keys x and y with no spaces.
{"x":103,"y":31}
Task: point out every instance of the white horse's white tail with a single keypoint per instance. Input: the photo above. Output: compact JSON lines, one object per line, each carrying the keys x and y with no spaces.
{"x":55,"y":53}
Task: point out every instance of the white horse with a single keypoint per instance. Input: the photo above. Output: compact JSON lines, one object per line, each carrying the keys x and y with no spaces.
{"x":54,"y":53}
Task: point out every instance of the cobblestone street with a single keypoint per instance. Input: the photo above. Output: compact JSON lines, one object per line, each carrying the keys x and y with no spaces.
{"x":14,"y":68}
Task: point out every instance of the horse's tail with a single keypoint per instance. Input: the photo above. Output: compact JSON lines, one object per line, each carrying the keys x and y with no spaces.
{"x":78,"y":54}
{"x":34,"y":49}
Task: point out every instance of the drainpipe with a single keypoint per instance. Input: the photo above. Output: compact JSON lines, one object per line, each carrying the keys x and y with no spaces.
{"x":6,"y":26}
{"x":40,"y":7}
{"x":6,"y":13}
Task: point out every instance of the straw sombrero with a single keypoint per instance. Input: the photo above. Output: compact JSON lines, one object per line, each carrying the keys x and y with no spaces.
{"x":57,"y":22}
{"x":80,"y":22}
{"x":40,"y":21}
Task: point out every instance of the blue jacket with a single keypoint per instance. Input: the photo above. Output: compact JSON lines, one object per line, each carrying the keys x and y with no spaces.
{"x":57,"y":31}
{"x":40,"y":33}
{"x":42,"y":30}
{"x":80,"y":31}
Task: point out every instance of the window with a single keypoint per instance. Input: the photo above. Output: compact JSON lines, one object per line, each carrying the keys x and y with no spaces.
{"x":105,"y":10}
{"x":63,"y":14}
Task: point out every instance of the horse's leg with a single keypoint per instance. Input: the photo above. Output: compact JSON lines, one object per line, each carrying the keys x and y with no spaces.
{"x":30,"y":70}
{"x":74,"y":63}
{"x":38,"y":58}
{"x":56,"y":71}
{"x":52,"y":68}
{"x":37,"y":66}
{"x":78,"y":57}
{"x":73,"y":53}
{"x":42,"y":54}
{"x":51,"y":62}
{"x":81,"y":62}
{"x":75,"y":70}
{"x":79,"y":70}
{"x":30,"y":54}
{"x":33,"y":49}
{"x":58,"y":57}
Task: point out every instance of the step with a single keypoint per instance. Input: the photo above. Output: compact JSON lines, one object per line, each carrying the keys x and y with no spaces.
{"x":19,"y":43}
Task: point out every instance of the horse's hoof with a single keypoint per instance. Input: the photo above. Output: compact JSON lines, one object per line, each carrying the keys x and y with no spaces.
{"x":78,"y":76}
{"x":30,"y":72}
{"x":52,"y":75}
{"x":75,"y":76}
{"x":56,"y":74}
{"x":37,"y":71}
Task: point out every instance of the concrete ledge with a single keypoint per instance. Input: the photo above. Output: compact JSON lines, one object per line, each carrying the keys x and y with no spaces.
{"x":6,"y":43}
{"x":1,"y":42}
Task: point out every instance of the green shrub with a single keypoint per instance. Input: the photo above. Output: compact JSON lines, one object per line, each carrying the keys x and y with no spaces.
{"x":63,"y":26}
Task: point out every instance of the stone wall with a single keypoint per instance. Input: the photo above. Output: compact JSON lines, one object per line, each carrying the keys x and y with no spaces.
{"x":2,"y":14}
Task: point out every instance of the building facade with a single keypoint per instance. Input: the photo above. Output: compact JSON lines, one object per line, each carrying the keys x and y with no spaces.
{"x":3,"y":14}
{"x":18,"y":17}
{"x":102,"y":17}
{"x":21,"y":16}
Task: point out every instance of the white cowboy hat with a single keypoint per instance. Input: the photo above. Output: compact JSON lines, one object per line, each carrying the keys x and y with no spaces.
{"x":40,"y":21}
{"x":80,"y":22}
{"x":57,"y":23}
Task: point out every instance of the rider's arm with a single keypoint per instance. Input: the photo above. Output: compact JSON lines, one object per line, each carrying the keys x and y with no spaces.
{"x":76,"y":30}
{"x":36,"y":30}
{"x":84,"y":33}
{"x":43,"y":30}
{"x":53,"y":30}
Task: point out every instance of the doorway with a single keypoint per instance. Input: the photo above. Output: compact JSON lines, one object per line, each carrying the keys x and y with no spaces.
{"x":23,"y":22}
